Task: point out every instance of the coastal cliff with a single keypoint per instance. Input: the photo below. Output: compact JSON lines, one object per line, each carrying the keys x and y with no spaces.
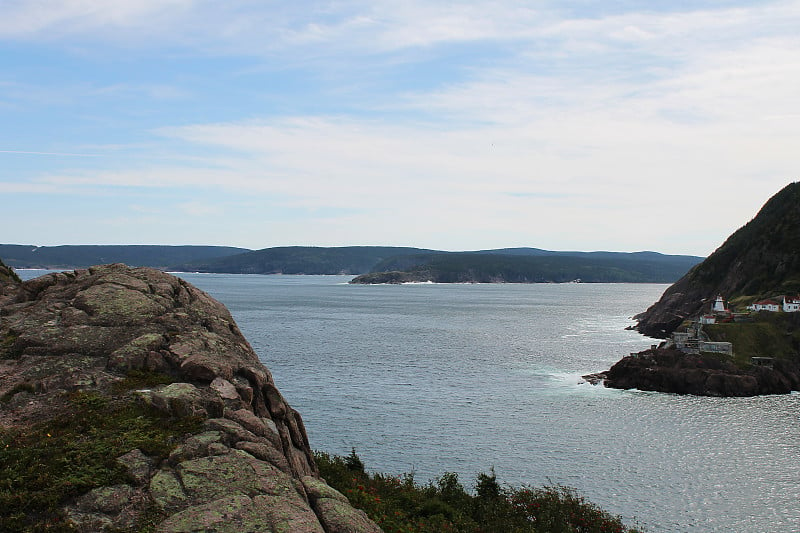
{"x":762,"y":349}
{"x":760,"y":259}
{"x":134,"y":400}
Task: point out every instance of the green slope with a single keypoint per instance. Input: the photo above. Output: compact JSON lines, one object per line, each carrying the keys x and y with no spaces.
{"x":759,"y":260}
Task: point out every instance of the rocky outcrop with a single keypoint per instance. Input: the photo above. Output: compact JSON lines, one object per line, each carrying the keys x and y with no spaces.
{"x":250,"y":468}
{"x":667,"y":370}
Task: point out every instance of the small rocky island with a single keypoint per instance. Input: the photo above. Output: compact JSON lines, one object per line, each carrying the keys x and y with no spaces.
{"x":745,"y":345}
{"x":129,"y":400}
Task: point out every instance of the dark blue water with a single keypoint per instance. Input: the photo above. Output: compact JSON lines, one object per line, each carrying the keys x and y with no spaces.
{"x":434,"y":378}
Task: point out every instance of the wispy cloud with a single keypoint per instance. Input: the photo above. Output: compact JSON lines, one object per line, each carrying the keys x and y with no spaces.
{"x":471,"y":122}
{"x":56,"y":19}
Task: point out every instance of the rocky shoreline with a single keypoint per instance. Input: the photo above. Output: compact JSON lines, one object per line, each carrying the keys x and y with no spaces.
{"x":81,"y":336}
{"x":672,"y":371}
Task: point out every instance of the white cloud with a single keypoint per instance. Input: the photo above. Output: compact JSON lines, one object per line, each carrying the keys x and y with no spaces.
{"x":551,"y":184}
{"x":369,"y":27}
{"x":583,"y":128}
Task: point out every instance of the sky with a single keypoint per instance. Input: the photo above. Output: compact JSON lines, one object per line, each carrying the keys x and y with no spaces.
{"x":583,"y":125}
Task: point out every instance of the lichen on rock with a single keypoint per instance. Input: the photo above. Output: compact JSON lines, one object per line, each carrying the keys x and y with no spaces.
{"x":138,"y":336}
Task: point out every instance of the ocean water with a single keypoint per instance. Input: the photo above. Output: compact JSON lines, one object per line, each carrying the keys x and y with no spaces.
{"x":431,"y":378}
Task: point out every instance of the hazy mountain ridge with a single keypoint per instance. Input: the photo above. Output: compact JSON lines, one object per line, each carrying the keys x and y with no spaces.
{"x":300,"y":260}
{"x":760,"y":259}
{"x":522,"y":265}
{"x":538,"y":266}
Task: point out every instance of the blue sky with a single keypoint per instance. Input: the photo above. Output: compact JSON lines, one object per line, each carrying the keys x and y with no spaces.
{"x":619,"y":126}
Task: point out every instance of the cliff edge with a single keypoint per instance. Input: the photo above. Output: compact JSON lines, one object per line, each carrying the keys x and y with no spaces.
{"x":760,"y":259}
{"x":112,"y":340}
{"x":761,"y":350}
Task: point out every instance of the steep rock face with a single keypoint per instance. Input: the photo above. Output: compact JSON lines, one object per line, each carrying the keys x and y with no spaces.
{"x":702,"y":375}
{"x":250,"y":468}
{"x":761,"y":258}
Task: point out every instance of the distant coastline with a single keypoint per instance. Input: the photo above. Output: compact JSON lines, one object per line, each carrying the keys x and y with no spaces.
{"x":371,"y":264}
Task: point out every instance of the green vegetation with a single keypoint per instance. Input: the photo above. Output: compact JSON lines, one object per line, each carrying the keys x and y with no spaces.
{"x":41,"y":467}
{"x":141,"y":379}
{"x":511,"y":264}
{"x":761,"y":259}
{"x":769,"y":335}
{"x":557,"y":267}
{"x":399,"y":505}
{"x":764,"y":250}
{"x":517,"y":264}
{"x":301,"y":260}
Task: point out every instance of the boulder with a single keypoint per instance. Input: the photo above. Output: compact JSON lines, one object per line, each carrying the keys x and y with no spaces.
{"x":96,"y":331}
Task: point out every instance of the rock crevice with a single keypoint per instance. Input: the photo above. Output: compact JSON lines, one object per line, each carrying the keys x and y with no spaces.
{"x":251,"y":467}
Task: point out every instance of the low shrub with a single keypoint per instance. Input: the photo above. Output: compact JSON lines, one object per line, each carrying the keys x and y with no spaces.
{"x":399,"y":505}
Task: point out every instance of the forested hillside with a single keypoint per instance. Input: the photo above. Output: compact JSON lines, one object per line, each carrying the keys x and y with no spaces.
{"x":301,"y":260}
{"x":760,"y":259}
{"x":553,"y":267}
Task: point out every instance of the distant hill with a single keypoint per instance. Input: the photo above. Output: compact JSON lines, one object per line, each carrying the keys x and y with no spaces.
{"x":517,"y":265}
{"x":759,"y":260}
{"x":80,"y":256}
{"x":530,"y":265}
{"x":300,"y":260}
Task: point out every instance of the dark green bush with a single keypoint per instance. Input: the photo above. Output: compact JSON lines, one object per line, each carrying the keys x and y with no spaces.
{"x":399,"y":505}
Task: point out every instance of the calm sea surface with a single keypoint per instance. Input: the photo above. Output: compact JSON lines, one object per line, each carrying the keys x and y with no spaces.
{"x":433,"y":378}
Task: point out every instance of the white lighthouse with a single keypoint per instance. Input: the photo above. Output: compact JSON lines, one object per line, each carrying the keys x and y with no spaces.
{"x":719,"y":305}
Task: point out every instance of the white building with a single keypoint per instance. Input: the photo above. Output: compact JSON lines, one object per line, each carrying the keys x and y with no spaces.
{"x":765,"y":305}
{"x":708,"y":319}
{"x":719,"y":305}
{"x":791,"y":305}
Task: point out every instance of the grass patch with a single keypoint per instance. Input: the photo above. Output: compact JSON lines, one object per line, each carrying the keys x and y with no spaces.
{"x":141,"y":379}
{"x":770,"y":335}
{"x":399,"y":505}
{"x":43,"y":466}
